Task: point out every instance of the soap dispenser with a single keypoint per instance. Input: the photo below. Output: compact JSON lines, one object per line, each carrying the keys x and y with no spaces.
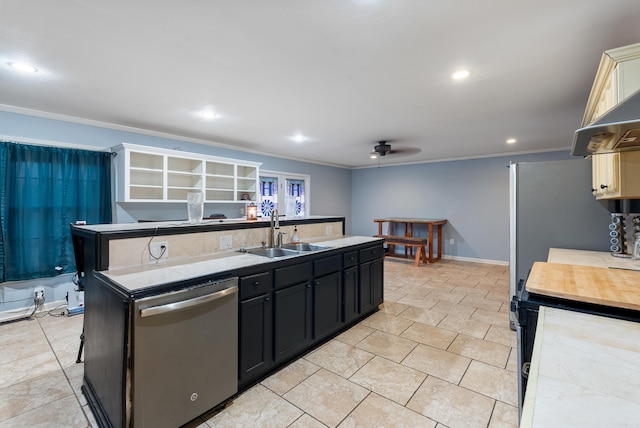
{"x":295,"y":239}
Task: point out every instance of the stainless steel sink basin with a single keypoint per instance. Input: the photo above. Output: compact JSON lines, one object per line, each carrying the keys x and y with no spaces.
{"x":303,"y":246}
{"x":272,"y":252}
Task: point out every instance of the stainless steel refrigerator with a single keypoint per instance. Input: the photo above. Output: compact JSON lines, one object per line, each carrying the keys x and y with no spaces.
{"x":551,"y":206}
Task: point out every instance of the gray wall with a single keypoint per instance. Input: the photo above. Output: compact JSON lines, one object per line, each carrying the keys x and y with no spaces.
{"x":330,"y":186}
{"x":473,"y":195}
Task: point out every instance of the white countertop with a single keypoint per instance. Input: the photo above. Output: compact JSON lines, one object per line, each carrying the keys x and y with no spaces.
{"x":136,"y":278}
{"x":591,"y":258}
{"x":585,"y":372}
{"x":164,"y":224}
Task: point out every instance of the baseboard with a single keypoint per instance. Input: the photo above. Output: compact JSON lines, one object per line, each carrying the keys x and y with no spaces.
{"x":472,"y":260}
{"x":17,"y":314}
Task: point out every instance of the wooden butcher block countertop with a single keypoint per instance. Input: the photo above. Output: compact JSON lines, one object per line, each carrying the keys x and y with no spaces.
{"x":603,"y":286}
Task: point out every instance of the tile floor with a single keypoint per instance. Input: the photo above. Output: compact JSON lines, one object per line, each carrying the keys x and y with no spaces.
{"x":439,"y":354}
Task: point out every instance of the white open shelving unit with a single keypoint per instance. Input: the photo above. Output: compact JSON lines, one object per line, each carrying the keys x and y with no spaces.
{"x":148,"y":174}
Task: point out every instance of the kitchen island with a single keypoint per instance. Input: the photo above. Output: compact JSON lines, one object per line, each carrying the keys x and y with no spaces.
{"x":285,"y":307}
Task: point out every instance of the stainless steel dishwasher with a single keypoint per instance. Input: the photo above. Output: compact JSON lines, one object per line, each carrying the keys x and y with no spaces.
{"x":185,"y":353}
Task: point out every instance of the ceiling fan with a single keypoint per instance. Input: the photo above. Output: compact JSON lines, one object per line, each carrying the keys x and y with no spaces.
{"x":383,"y":148}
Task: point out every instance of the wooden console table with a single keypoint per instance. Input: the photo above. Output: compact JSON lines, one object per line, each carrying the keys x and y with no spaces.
{"x":408,"y":231}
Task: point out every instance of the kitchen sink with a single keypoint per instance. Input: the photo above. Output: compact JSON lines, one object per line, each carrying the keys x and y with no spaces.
{"x":272,"y":252}
{"x":303,"y":246}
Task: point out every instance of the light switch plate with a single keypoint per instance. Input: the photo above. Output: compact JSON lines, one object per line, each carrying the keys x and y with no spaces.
{"x":225,"y":242}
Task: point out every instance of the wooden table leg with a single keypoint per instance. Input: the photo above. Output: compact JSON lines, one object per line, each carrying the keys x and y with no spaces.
{"x":430,"y":240}
{"x":439,"y":241}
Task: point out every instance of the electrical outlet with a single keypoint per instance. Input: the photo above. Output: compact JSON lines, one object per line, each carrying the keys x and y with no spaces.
{"x":226,"y":242}
{"x":452,"y":241}
{"x":38,"y":295}
{"x":159,"y":250}
{"x":328,"y":230}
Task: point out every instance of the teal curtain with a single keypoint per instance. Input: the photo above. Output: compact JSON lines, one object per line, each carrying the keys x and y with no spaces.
{"x":42,"y":191}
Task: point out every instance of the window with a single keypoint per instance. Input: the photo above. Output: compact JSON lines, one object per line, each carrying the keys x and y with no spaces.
{"x":286,"y":192}
{"x":42,"y":191}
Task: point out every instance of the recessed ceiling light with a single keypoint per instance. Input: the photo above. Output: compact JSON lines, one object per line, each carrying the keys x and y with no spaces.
{"x":374,"y":156}
{"x":23,"y":66}
{"x":460,"y":74}
{"x":208,"y":114}
{"x":298,"y":138}
{"x":511,"y":141}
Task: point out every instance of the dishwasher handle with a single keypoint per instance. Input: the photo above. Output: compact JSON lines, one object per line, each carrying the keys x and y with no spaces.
{"x":184,"y":304}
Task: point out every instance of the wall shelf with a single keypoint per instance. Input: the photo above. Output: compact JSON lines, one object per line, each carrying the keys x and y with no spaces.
{"x":148,"y":174}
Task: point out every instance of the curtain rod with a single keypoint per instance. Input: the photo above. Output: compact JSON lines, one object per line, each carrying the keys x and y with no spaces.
{"x":59,"y":144}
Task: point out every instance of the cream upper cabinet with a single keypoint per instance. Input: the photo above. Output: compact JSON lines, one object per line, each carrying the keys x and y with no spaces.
{"x":616,"y":175}
{"x":618,"y":76}
{"x":148,"y":174}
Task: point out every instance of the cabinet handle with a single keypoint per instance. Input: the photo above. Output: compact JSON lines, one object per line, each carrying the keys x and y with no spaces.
{"x":347,"y":274}
{"x":352,"y":258}
{"x":602,"y":186}
{"x":256,"y":283}
{"x":266,"y":299}
{"x":309,"y":285}
{"x":593,"y":190}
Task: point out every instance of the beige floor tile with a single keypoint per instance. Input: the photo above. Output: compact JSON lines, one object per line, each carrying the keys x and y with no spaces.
{"x":461,"y":311}
{"x":451,"y":405}
{"x":288,"y":377}
{"x":499,"y":296}
{"x":33,"y":393}
{"x":481,"y":350}
{"x":376,"y":411}
{"x":504,"y":416}
{"x":388,"y":323}
{"x":424,"y":316}
{"x":327,"y":397}
{"x":65,"y":412}
{"x":470,"y":291}
{"x":436,"y":362}
{"x":418,"y":301}
{"x":502,"y":335}
{"x":21,"y":370}
{"x":257,"y":407}
{"x":339,"y":357}
{"x":355,"y":334}
{"x":32,"y":344}
{"x":393,"y":308}
{"x":429,"y":335}
{"x":394,"y":295}
{"x":471,"y":328}
{"x":92,"y":419}
{"x":387,"y":345}
{"x":447,"y":296}
{"x":306,"y":421}
{"x":463,"y":281}
{"x":512,"y":362}
{"x":18,"y":331}
{"x":478,"y":302}
{"x":491,"y":381}
{"x":391,"y":380}
{"x":490,"y":317}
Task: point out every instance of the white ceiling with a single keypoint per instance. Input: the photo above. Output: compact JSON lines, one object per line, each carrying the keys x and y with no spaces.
{"x":344,"y":73}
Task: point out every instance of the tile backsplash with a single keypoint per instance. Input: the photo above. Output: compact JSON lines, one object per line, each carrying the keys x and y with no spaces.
{"x":135,"y":251}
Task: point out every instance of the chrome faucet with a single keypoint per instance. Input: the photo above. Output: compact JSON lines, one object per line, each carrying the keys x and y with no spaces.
{"x":275,"y":224}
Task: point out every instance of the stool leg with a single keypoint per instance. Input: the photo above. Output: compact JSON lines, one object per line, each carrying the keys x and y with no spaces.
{"x":79,"y":359}
{"x":418,"y":256}
{"x":424,"y":254}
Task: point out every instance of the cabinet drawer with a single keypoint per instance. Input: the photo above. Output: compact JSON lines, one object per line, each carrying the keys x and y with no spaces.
{"x":292,"y":274}
{"x":255,"y":285}
{"x":371,"y":253}
{"x":327,"y":265}
{"x":350,"y":259}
